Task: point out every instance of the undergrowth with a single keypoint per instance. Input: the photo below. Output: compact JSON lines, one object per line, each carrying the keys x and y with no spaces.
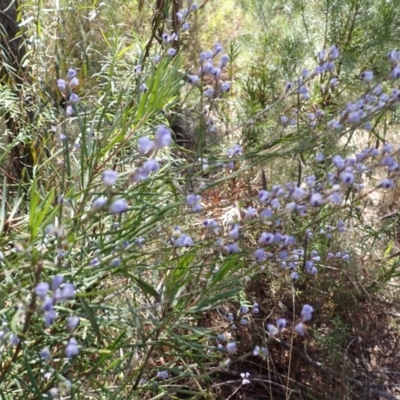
{"x":199,"y":220}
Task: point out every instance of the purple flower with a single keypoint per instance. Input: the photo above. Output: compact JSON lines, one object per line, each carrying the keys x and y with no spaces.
{"x":73,"y":98}
{"x":56,"y":282}
{"x":163,"y":137}
{"x":260,"y":255}
{"x":68,"y":291}
{"x":300,"y":328}
{"x":386,"y":183}
{"x":367,"y":76}
{"x":145,"y":145}
{"x":72,"y":348}
{"x":49,"y":317}
{"x":41,"y":289}
{"x":306,"y":312}
{"x":281,"y":323}
{"x":224,"y":60}
{"x":232,"y":248}
{"x":61,"y":84}
{"x":209,"y":93}
{"x":194,"y":79}
{"x":272,"y":329}
{"x":99,"y":203}
{"x":171,"y":52}
{"x":151,"y":166}
{"x":183,"y":241}
{"x":347,"y":178}
{"x":45,"y":354}
{"x":231,"y":347}
{"x":316,"y":199}
{"x":118,"y":206}
{"x":225,"y":87}
{"x":71,"y":74}
{"x":109,"y":177}
{"x":266,"y":239}
{"x":72,"y":323}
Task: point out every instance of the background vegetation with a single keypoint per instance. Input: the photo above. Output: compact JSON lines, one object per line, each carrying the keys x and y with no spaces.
{"x":189,"y":267}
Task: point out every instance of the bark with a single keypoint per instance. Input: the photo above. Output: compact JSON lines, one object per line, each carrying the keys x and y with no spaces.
{"x":13,"y":75}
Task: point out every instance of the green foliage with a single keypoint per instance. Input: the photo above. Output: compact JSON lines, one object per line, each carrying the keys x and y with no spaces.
{"x":148,"y":307}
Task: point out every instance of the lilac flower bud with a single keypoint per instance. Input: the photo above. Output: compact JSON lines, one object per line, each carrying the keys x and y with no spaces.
{"x":109,"y":177}
{"x":71,"y":74}
{"x":14,"y":339}
{"x":334,"y":198}
{"x":41,"y":289}
{"x":260,"y":255}
{"x":145,"y":145}
{"x":263,"y":351}
{"x":185,"y":27}
{"x":163,"y":137}
{"x":118,"y":206}
{"x":321,"y":55}
{"x":347,"y":178}
{"x":225,"y":87}
{"x":294,"y":276}
{"x":298,"y":193}
{"x":49,"y":317}
{"x":264,"y":196}
{"x":244,"y":309}
{"x":281,"y":323}
{"x":72,"y":348}
{"x":367,"y":76}
{"x":217,"y":49}
{"x":171,"y":52}
{"x":283,"y":120}
{"x":232,"y":248}
{"x":45,"y":354}
{"x":151,"y":166}
{"x":193,"y":7}
{"x":68,"y":291}
{"x":333,"y":53}
{"x":393,"y":56}
{"x":334,"y":124}
{"x":395,"y":73}
{"x":250,"y":213}
{"x":316,"y":199}
{"x":306,"y":312}
{"x":194,"y":79}
{"x":74,"y":82}
{"x":234,"y":232}
{"x":61,"y":84}
{"x":99,"y":203}
{"x":231,"y":347}
{"x":386,"y":184}
{"x":137,"y":69}
{"x":163,"y":375}
{"x":224,"y":60}
{"x":300,"y":328}
{"x":272,"y":329}
{"x":183,"y":241}
{"x":72,"y":323}
{"x":193,"y":199}
{"x":56,"y":282}
{"x":339,"y":162}
{"x":209,"y":93}
{"x":69,"y":111}
{"x":266,"y":239}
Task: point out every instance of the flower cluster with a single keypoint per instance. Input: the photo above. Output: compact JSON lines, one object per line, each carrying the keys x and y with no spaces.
{"x":65,"y":86}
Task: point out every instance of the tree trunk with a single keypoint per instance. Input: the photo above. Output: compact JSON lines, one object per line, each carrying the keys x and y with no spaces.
{"x":13,"y":75}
